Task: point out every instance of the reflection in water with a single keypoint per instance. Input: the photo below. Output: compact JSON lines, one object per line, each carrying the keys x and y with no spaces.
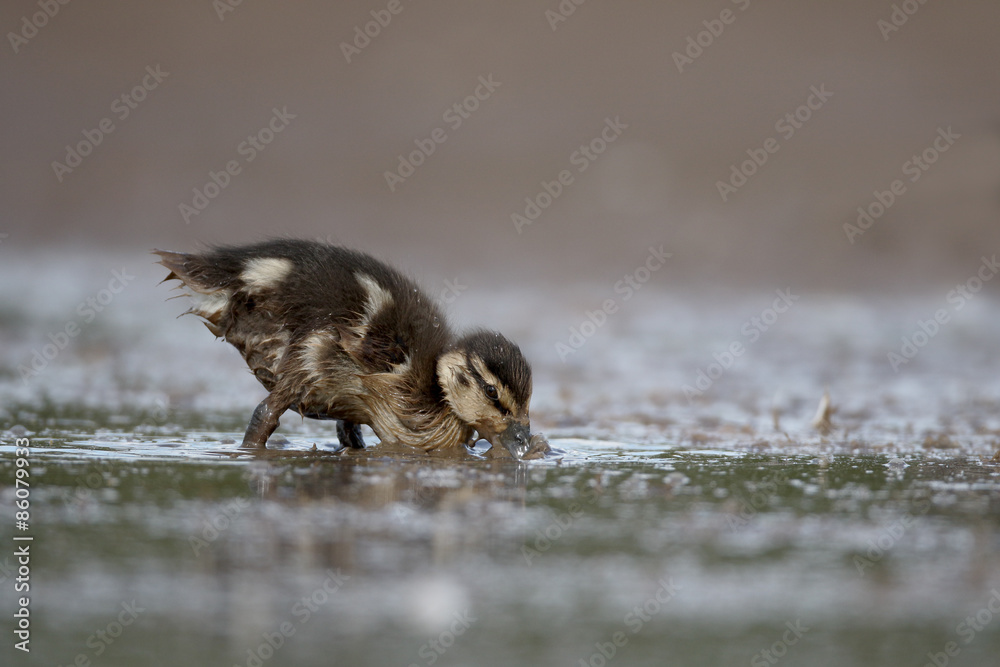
{"x":368,"y":521}
{"x":437,"y":511}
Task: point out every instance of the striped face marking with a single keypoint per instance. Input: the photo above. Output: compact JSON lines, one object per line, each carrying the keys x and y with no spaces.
{"x":494,"y":390}
{"x":476,"y":395}
{"x":263,"y":273}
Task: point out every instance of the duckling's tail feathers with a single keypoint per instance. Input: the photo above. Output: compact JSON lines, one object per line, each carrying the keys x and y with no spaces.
{"x":183,"y":267}
{"x":209,"y":298}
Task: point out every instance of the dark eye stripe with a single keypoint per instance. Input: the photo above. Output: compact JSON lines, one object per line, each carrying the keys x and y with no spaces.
{"x":496,"y":401}
{"x":475,"y":374}
{"x":482,"y":385}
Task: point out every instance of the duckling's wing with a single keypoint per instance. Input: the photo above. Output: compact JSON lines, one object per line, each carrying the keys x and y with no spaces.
{"x":374,"y":351}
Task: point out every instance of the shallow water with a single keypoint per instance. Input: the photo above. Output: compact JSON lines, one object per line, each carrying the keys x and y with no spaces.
{"x":662,"y":530}
{"x":875,"y":558}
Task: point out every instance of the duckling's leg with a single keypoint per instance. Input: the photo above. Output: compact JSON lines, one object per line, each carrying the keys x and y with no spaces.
{"x":263,"y":422}
{"x":349,"y":434}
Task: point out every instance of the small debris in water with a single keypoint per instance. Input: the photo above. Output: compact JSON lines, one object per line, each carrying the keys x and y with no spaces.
{"x":896,"y":464}
{"x":939,"y":441}
{"x":821,"y":422}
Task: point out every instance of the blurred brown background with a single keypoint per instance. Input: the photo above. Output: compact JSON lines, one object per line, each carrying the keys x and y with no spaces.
{"x":323,"y":175}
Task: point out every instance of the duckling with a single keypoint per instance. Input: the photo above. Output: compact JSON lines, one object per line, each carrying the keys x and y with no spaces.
{"x":336,"y":334}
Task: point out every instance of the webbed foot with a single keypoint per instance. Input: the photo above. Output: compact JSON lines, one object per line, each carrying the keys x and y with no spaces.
{"x":349,"y":435}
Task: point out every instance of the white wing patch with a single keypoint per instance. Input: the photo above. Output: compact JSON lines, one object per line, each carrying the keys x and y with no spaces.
{"x":313,"y":351}
{"x":376,"y":298}
{"x":262,"y":273}
{"x":208,"y":305}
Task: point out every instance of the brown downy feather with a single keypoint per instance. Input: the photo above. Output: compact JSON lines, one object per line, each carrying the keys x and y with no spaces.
{"x":336,"y":334}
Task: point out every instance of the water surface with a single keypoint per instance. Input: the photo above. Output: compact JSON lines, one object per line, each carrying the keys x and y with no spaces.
{"x":665,"y":529}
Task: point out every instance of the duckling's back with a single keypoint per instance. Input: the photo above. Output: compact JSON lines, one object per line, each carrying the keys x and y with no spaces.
{"x":267,"y":298}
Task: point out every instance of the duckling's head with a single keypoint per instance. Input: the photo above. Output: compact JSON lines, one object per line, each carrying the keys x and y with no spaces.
{"x":487,"y":382}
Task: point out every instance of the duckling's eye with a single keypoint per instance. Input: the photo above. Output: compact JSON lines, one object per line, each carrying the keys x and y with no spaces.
{"x":491,"y":392}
